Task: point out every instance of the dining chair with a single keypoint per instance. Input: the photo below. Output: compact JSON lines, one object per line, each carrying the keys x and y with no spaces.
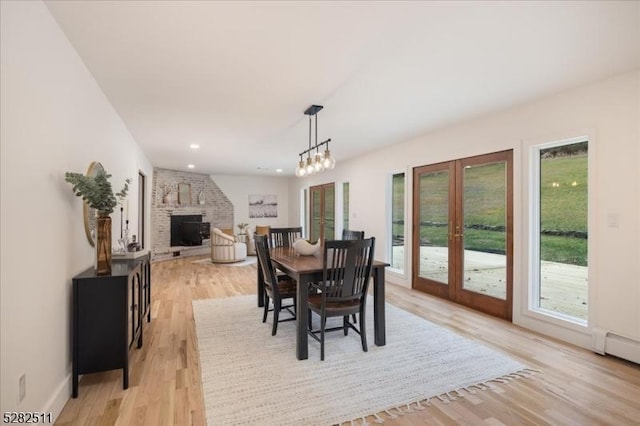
{"x":348,"y":234}
{"x":277,"y":288}
{"x":346,"y":269}
{"x":284,"y":237}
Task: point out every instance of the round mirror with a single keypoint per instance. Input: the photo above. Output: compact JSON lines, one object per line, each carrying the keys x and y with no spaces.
{"x":90,"y":213}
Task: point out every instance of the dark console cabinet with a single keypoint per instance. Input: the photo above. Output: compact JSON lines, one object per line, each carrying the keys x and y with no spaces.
{"x":108,"y":317}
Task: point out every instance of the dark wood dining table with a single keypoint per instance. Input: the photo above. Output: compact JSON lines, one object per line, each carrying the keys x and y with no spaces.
{"x":308,"y":269}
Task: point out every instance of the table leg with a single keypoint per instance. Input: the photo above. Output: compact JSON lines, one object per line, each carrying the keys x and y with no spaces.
{"x":378,"y":307}
{"x":302,"y":348}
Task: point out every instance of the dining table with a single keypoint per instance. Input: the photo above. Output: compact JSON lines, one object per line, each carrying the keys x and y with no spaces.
{"x":308,"y":269}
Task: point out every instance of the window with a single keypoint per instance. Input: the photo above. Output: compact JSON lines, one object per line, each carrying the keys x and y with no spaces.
{"x":560,"y":230}
{"x":397,"y":222}
{"x":304,"y":212}
{"x":345,"y":205}
{"x":142,"y":179}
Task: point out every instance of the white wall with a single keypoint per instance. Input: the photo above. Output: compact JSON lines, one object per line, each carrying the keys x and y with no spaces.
{"x":54,"y":119}
{"x":238,"y":189}
{"x":608,"y":111}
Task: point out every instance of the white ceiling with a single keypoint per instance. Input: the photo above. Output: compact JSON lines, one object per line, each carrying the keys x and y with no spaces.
{"x":235,"y":77}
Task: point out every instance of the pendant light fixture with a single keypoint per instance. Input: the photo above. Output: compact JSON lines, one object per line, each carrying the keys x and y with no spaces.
{"x":319,"y":161}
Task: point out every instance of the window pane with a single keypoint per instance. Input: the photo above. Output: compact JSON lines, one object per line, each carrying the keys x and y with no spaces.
{"x":563,"y":229}
{"x":345,"y":205}
{"x":397,"y":222}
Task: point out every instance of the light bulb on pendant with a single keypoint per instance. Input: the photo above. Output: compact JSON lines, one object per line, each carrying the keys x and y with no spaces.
{"x":310,"y":168}
{"x":301,"y":170}
{"x":318,"y":162}
{"x":328,"y":162}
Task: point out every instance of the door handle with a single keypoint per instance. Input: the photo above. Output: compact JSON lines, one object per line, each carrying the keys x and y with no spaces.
{"x":458,"y":234}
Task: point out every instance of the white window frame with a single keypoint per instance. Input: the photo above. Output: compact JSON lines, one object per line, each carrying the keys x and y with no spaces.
{"x":534,"y":308}
{"x":304,"y":220}
{"x":389,"y":225}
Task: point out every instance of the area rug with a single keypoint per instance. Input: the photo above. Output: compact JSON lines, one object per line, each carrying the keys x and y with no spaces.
{"x":250,"y":377}
{"x":251,"y":260}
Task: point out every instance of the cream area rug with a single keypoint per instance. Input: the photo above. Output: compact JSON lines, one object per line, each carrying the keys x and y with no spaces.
{"x":251,"y":260}
{"x":250,"y":377}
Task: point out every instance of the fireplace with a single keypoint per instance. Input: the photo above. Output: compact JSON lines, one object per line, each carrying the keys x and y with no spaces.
{"x":188,"y":230}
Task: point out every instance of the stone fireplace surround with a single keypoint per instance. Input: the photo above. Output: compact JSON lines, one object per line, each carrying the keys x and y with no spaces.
{"x":217,"y":209}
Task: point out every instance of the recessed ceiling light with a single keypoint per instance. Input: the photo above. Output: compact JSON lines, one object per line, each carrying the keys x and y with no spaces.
{"x":194,"y":146}
{"x":191,"y":166}
{"x":278,"y":170}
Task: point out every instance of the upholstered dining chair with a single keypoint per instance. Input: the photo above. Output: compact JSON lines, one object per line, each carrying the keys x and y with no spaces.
{"x":343,"y":290}
{"x":277,"y":288}
{"x":348,"y":234}
{"x":284,"y":237}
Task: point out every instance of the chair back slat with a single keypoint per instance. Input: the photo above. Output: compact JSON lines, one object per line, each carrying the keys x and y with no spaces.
{"x":269,"y":272}
{"x":346,"y":269}
{"x":284,"y":237}
{"x":348,"y":234}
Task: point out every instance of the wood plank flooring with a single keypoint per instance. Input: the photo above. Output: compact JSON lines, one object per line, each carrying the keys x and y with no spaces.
{"x":575,"y":386}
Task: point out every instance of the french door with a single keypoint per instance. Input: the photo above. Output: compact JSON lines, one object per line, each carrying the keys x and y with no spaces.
{"x":322,"y":208}
{"x":463,"y":231}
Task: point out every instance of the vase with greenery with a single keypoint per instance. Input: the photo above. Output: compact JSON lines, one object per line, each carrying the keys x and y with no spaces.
{"x":242,"y":227}
{"x":97,"y":192}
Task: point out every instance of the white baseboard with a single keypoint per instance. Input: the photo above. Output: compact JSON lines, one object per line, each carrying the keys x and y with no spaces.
{"x":605,"y":342}
{"x":59,"y":399}
{"x":623,"y":347}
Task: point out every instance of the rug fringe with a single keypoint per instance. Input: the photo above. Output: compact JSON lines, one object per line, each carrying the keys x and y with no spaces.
{"x":447,"y":397}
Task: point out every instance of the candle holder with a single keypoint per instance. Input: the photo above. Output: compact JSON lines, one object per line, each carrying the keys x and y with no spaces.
{"x":124,"y":241}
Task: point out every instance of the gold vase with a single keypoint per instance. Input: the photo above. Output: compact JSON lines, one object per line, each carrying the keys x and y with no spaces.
{"x":103,"y":245}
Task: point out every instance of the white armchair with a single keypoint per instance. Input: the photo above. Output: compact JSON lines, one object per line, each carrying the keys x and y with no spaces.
{"x":225,"y":249}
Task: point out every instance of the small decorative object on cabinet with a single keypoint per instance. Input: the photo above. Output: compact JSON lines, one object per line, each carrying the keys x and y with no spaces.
{"x":108,"y":317}
{"x":95,"y":190}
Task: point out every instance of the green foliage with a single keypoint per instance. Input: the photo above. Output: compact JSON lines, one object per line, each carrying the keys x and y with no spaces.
{"x":564,"y":205}
{"x":96,"y":190}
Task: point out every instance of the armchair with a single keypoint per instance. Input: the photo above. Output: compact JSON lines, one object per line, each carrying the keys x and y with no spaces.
{"x":225,"y":249}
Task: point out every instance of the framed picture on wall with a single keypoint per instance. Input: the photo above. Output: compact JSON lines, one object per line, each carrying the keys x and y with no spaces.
{"x":184,"y":193}
{"x":263,"y":205}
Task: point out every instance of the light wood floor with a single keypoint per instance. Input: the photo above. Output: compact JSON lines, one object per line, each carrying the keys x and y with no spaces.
{"x":575,"y":387}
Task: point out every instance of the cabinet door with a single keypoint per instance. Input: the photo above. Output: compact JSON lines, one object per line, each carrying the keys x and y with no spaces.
{"x":134,"y":305}
{"x":145,"y":281}
{"x":100,"y":329}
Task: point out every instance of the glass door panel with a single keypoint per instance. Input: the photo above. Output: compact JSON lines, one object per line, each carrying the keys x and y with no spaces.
{"x":484,"y":237}
{"x":322,"y":212}
{"x":329,"y":213}
{"x":316,"y":213}
{"x":434,"y":226}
